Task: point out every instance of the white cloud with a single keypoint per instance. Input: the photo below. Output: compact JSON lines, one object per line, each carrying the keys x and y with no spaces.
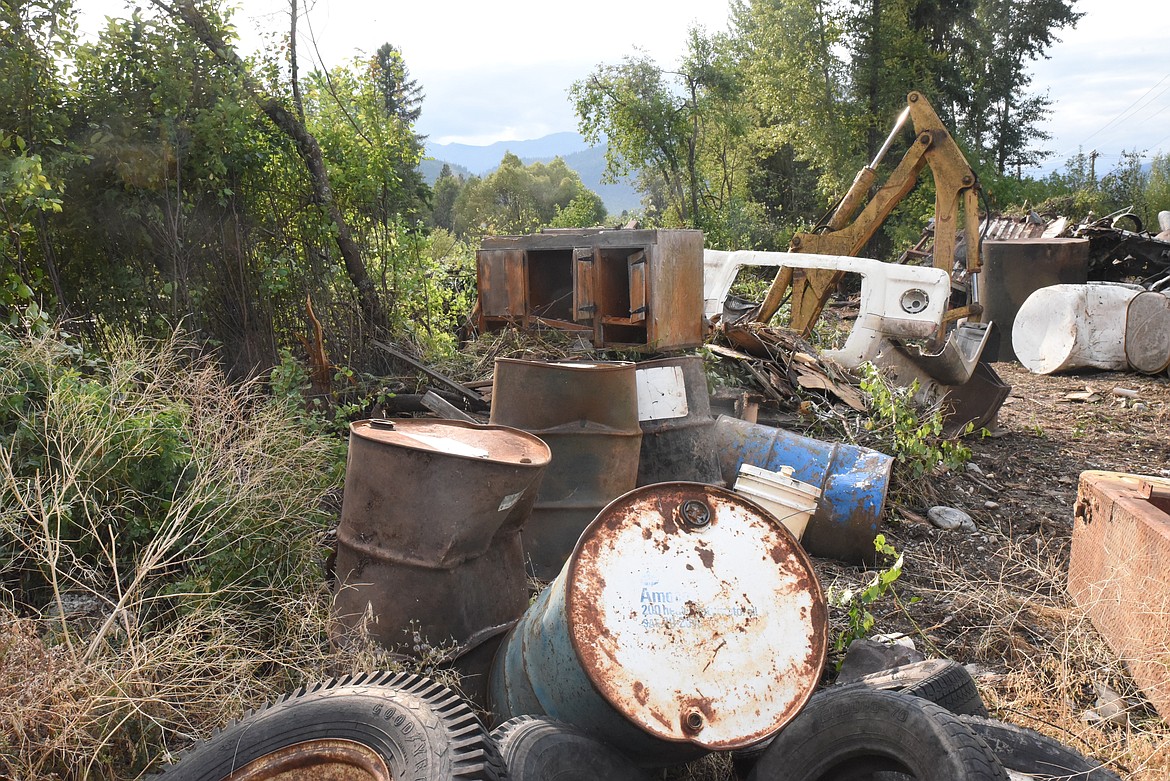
{"x":500,"y":71}
{"x":1108,"y":80}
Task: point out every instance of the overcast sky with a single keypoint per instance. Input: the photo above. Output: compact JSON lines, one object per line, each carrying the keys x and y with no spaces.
{"x":500,"y":71}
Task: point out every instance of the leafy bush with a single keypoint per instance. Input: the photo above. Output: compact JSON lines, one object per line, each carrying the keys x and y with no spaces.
{"x":159,"y":553}
{"x":898,"y":425}
{"x":856,"y":602}
{"x":146,"y":457}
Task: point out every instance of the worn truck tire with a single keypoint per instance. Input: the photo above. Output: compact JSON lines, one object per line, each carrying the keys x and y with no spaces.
{"x":542,"y":749}
{"x":942,"y":681}
{"x":1042,"y":758}
{"x":379,"y":726}
{"x":855,"y":733}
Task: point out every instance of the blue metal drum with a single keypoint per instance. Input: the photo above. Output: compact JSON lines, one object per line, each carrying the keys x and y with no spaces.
{"x":853,"y":482}
{"x":687,"y":620}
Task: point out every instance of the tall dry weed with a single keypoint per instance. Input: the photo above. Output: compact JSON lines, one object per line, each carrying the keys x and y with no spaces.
{"x":159,"y":557}
{"x":1047,"y":663}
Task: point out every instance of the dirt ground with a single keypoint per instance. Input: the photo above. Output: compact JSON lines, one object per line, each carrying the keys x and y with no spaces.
{"x":995,"y":598}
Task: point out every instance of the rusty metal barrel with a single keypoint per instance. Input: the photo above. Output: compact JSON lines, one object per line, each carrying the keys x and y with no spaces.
{"x":428,"y":541}
{"x":678,"y":432}
{"x":853,"y":482}
{"x":687,"y":620}
{"x":1147,"y":332}
{"x":587,"y":412}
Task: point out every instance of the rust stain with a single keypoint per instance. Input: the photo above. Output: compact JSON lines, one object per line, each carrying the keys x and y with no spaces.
{"x":317,"y":760}
{"x":707,"y":556}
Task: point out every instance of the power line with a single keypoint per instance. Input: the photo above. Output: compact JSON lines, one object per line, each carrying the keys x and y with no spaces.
{"x":1131,"y":105}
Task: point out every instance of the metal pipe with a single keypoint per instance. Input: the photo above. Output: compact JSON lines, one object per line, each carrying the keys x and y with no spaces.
{"x":890,"y":139}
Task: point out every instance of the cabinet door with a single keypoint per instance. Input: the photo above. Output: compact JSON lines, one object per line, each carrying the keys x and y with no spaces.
{"x":637,"y":271}
{"x":584,"y":299}
{"x":503,"y":283}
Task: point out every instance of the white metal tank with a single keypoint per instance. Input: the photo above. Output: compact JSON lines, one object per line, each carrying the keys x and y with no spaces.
{"x":1064,"y":327}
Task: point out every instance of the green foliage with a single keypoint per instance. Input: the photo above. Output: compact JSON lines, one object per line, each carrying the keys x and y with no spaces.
{"x":790,"y":54}
{"x":446,"y":190}
{"x":681,"y":129}
{"x":1158,"y":187}
{"x":857,"y":602}
{"x":516,"y":199}
{"x":899,"y":427}
{"x":145,"y":471}
{"x":26,"y":195}
{"x":584,"y":211}
{"x":1079,"y":189}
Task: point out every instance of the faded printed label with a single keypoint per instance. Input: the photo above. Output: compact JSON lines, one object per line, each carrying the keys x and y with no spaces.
{"x":666,"y":606}
{"x":510,"y":501}
{"x":662,"y":393}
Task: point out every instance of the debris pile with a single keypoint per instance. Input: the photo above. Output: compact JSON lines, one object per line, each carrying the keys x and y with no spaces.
{"x":678,"y":611}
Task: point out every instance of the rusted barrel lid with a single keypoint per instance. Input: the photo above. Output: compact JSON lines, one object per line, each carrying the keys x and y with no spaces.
{"x":1147,"y":332}
{"x":456,"y":439}
{"x":696,"y":616}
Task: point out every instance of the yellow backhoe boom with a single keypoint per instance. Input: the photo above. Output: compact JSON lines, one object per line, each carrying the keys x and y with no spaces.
{"x":845,"y":234}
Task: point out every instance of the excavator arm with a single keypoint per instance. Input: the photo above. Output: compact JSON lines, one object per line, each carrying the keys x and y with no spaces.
{"x":846,"y":232}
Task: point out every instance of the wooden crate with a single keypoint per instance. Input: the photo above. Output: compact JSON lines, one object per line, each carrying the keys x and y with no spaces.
{"x":1118,"y":572}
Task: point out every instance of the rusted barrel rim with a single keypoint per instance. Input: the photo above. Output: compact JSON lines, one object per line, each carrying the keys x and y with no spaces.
{"x":570,"y":365}
{"x":818,"y":611}
{"x":310,"y":758}
{"x":359,"y":428}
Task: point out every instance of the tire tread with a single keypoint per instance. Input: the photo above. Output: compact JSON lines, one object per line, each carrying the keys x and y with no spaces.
{"x":444,"y":713}
{"x":1043,"y":758}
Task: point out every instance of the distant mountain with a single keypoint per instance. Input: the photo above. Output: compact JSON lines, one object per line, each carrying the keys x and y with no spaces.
{"x":587,"y":161}
{"x":618,"y":197}
{"x":481,"y":160}
{"x":431,"y":168}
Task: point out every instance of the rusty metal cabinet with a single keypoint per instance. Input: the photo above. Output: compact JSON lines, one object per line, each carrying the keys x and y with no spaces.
{"x":618,"y":287}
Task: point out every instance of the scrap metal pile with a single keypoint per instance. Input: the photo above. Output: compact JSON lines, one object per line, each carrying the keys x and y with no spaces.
{"x":680,"y":612}
{"x":1093,"y":295}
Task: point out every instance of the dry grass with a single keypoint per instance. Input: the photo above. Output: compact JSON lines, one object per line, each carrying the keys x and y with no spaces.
{"x":123,"y":636}
{"x":1046,"y":663}
{"x":129,"y":649}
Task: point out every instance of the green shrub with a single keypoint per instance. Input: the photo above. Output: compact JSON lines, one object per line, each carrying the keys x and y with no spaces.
{"x":187,"y":514}
{"x":148,"y":469}
{"x":900,"y":426}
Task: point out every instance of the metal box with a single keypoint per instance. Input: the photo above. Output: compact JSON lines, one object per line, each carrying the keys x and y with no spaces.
{"x":618,"y":288}
{"x":1117,"y":572}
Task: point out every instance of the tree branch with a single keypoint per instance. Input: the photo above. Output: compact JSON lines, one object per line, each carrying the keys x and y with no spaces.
{"x":307,"y":147}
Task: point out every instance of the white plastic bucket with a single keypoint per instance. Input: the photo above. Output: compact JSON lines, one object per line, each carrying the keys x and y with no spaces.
{"x":1063,"y":327}
{"x":791,"y":501}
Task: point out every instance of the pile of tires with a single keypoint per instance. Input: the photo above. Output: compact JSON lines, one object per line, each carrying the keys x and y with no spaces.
{"x":919,"y":721}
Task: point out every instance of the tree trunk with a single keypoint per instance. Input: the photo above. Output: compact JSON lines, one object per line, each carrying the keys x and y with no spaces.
{"x":308,"y":149}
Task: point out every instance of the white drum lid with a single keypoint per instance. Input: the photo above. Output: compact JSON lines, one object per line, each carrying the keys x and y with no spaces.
{"x":1147,"y":333}
{"x":695,"y":615}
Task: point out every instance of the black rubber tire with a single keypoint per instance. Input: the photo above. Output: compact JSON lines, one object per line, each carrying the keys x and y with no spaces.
{"x":854,"y":733}
{"x":398,"y":716}
{"x":942,"y":681}
{"x":542,"y":749}
{"x":1026,"y":751}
